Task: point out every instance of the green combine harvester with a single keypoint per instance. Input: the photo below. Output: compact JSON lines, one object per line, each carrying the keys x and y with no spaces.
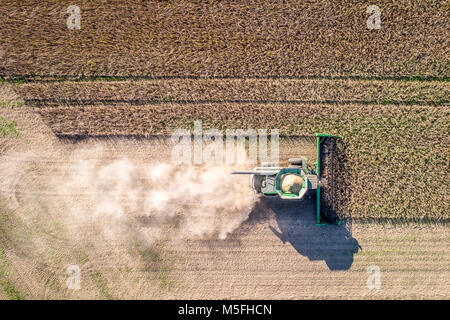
{"x":297,"y":182}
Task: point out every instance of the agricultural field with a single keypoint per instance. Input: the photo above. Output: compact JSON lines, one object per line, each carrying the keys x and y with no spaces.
{"x":86,"y":118}
{"x":51,"y":187}
{"x":225,"y":39}
{"x":387,"y":126}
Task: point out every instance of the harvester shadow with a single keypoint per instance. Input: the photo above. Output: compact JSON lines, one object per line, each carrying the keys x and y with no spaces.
{"x":296,"y":222}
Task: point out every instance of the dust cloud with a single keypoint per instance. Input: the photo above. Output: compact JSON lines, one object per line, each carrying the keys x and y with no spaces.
{"x":123,"y":197}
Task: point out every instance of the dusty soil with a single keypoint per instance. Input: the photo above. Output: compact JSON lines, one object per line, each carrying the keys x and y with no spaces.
{"x":287,"y":257}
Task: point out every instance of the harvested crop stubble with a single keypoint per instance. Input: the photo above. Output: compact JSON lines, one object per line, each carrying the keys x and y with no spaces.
{"x":397,"y":158}
{"x":239,"y":90}
{"x":227,"y":38}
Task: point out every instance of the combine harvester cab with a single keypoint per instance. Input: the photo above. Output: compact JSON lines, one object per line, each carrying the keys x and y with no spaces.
{"x":297,"y":182}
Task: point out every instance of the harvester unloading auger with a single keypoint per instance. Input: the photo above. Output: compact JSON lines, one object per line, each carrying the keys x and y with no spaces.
{"x":296,"y":181}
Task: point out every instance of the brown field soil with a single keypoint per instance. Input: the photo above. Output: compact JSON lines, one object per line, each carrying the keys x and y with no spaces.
{"x":276,"y":253}
{"x":284,"y":256}
{"x":229,"y":38}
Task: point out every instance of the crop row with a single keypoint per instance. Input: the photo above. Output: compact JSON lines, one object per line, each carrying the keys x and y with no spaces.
{"x":236,"y":90}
